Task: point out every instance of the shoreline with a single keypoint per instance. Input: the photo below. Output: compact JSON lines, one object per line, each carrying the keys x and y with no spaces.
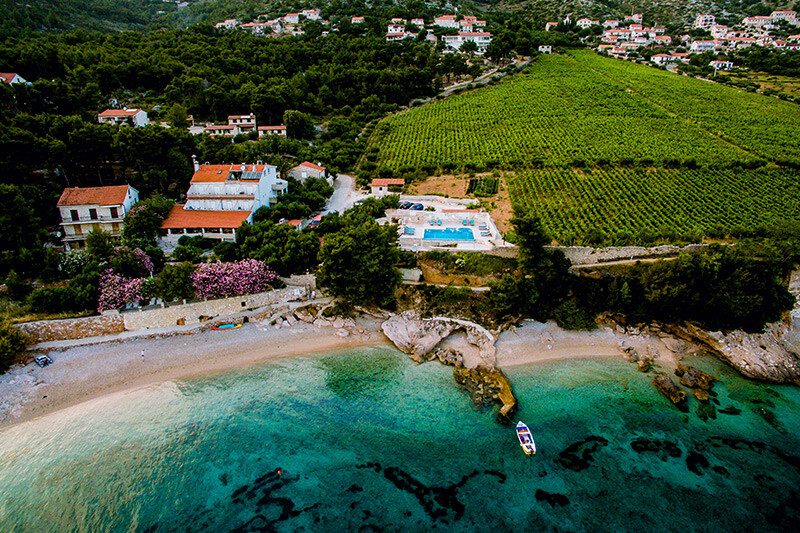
{"x":89,"y":372}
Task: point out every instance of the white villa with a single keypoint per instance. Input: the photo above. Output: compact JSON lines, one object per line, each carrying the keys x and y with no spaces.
{"x":122,"y":117}
{"x":481,"y":39}
{"x":84,"y":209}
{"x":220,"y":198}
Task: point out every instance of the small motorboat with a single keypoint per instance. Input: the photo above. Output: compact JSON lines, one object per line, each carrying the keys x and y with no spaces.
{"x":227,"y":326}
{"x":525,"y":439}
{"x":43,"y":360}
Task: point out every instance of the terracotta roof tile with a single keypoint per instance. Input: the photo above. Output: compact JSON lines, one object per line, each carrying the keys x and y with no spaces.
{"x":385,"y":182}
{"x":112,"y":195}
{"x":216,"y":173}
{"x":310,"y":165}
{"x":182,"y":218}
{"x":119,"y":112}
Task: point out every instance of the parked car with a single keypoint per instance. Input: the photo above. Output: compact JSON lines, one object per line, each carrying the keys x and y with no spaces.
{"x":43,"y":360}
{"x":417,"y":207}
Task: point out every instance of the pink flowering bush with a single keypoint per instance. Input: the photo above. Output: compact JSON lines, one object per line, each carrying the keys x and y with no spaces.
{"x":117,"y":291}
{"x":247,"y":276}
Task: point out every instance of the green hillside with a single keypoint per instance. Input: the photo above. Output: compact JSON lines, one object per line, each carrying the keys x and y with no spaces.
{"x":612,"y":145}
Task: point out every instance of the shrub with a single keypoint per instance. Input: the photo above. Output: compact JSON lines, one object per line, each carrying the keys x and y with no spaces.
{"x":117,"y":291}
{"x":248,"y":276}
{"x":569,"y":315}
{"x":12,"y":343}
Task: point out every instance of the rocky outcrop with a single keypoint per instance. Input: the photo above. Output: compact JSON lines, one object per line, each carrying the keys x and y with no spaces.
{"x":769,"y":356}
{"x":421,"y":339}
{"x":694,"y":378}
{"x":667,"y":387}
{"x":418,"y":337}
{"x":486,"y":385}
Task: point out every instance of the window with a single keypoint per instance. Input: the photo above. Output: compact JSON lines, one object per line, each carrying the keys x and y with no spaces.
{"x":74,"y":214}
{"x":114,"y":213}
{"x":227,"y":230}
{"x":115,"y":227}
{"x":93,"y":214}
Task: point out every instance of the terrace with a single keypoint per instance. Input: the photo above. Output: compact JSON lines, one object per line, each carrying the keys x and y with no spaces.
{"x":447,"y":229}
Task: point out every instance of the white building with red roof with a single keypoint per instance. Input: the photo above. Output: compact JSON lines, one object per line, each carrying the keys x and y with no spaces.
{"x":11,"y":77}
{"x":357,"y":20}
{"x":86,"y":209}
{"x":266,"y":131}
{"x":123,"y":117}
{"x":384,"y":186}
{"x":446,"y":21}
{"x":481,"y":40}
{"x":306,"y":170}
{"x":221,"y":197}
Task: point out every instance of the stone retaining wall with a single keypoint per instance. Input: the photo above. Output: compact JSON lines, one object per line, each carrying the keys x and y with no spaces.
{"x":586,"y":255}
{"x":197,"y":312}
{"x":72,"y":328}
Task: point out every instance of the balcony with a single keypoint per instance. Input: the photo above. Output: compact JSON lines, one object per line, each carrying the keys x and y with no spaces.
{"x":84,"y":220}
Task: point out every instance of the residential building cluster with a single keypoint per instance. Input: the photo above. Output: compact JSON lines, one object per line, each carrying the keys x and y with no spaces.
{"x":241,"y":125}
{"x":470,"y":29}
{"x":265,"y":26}
{"x":220,"y":198}
{"x":620,"y":38}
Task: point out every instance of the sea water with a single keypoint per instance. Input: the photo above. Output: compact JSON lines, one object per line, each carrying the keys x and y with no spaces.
{"x":366,"y":440}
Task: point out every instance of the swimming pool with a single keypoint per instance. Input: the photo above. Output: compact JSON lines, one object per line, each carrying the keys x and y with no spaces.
{"x":449,"y":234}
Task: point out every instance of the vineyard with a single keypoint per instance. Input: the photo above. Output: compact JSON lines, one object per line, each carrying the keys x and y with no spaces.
{"x":592,"y":143}
{"x":660,"y":202}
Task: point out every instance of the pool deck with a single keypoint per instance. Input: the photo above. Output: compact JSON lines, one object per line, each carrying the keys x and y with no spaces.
{"x":445,"y":216}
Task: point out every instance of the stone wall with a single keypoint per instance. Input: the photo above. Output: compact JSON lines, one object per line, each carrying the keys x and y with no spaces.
{"x":72,"y":328}
{"x":586,"y":255}
{"x":197,"y":312}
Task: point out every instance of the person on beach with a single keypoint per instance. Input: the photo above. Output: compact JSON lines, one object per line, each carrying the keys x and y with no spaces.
{"x":142,"y":354}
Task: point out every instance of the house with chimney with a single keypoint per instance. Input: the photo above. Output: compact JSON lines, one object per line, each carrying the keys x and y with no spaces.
{"x":86,"y":209}
{"x":222,"y":197}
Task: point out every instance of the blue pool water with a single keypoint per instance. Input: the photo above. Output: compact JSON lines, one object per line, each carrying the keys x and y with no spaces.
{"x":365,"y":440}
{"x":449,"y":234}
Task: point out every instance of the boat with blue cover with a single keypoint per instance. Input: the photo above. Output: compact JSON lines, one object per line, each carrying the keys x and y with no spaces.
{"x":525,"y":439}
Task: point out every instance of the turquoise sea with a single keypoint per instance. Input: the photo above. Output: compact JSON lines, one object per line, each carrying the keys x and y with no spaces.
{"x":368,"y":441}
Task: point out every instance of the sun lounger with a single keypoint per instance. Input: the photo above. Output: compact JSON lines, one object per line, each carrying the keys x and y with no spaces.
{"x":433,"y":222}
{"x":464,"y":222}
{"x":483,"y":226}
{"x":409,"y":231}
{"x":439,"y":222}
{"x":471,"y":222}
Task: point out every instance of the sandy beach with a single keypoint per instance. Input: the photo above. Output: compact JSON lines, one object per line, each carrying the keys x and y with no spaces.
{"x":84,"y":373}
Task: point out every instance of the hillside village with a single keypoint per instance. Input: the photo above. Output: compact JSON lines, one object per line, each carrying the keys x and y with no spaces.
{"x":630,"y":39}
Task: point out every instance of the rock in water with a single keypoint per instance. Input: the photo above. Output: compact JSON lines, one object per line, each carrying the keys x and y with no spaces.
{"x":644,"y":364}
{"x":701,"y":394}
{"x":694,"y":378}
{"x":668,"y":388}
{"x":486,"y":385}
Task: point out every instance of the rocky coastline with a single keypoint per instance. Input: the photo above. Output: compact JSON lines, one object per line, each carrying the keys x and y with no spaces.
{"x":477,"y":371}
